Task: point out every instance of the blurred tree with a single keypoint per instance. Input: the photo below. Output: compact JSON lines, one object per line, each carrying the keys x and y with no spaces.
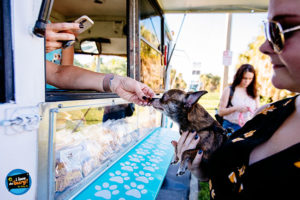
{"x":210,"y":82}
{"x":115,"y":65}
{"x":176,"y":80}
{"x":263,"y":67}
{"x":172,"y":75}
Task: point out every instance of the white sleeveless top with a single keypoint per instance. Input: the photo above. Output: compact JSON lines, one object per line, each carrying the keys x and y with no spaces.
{"x":241,"y":98}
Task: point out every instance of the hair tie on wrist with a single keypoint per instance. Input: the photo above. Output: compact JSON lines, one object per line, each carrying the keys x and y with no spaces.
{"x":107,"y":82}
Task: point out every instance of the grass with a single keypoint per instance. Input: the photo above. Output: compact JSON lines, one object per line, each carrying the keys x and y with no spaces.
{"x":204,"y":191}
{"x":209,"y":101}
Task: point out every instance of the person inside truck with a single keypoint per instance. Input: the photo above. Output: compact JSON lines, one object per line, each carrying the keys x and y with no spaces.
{"x":261,"y":160}
{"x":68,"y":76}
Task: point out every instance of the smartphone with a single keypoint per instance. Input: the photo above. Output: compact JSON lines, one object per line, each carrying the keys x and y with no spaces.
{"x":85,"y":23}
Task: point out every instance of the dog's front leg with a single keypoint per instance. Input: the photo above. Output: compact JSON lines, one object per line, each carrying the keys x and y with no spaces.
{"x":175,"y":158}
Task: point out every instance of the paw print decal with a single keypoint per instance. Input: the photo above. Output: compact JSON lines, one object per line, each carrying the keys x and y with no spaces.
{"x":150,"y":167}
{"x":155,"y":159}
{"x":136,"y":158}
{"x":128,"y":166}
{"x":163,"y":146}
{"x":106,"y":190}
{"x":159,"y":152}
{"x":148,"y":146}
{"x":118,"y":177}
{"x":135,"y":190}
{"x":143,"y":177}
{"x":142,"y":151}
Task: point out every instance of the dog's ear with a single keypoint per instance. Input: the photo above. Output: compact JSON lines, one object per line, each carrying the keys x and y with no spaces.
{"x":193,"y":98}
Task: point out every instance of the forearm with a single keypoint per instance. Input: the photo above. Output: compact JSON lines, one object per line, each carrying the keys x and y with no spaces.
{"x":67,"y":56}
{"x":72,"y":77}
{"x":226,"y":111}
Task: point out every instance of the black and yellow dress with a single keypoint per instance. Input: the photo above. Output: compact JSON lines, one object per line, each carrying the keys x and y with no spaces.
{"x":275,"y":177}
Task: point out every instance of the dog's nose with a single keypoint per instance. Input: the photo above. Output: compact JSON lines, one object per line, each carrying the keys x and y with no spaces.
{"x":153,"y":99}
{"x":180,"y":173}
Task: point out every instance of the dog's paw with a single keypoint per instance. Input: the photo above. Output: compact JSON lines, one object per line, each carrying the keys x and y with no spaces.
{"x":174,"y":143}
{"x":175,"y":160}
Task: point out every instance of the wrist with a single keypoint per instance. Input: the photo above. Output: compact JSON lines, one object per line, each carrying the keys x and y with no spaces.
{"x":106,"y":83}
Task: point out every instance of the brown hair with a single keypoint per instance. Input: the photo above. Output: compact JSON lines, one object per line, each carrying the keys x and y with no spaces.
{"x":251,"y":89}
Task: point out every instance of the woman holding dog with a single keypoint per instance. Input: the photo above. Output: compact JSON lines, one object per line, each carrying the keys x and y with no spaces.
{"x":261,"y":160}
{"x":240,"y":100}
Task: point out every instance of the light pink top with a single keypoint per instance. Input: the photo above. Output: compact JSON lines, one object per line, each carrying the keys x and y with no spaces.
{"x":241,"y":98}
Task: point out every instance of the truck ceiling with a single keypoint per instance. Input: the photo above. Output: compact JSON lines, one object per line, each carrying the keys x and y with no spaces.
{"x":207,"y":6}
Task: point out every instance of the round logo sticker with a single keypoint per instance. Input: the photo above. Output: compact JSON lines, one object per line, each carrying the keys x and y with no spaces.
{"x":18,"y":181}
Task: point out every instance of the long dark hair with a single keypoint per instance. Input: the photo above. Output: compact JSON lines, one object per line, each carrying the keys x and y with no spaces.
{"x":251,"y":89}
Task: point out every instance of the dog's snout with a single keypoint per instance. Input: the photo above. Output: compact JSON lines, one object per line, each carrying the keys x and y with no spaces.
{"x":152,"y":99}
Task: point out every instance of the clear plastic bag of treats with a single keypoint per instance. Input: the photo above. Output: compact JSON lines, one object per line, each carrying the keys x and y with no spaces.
{"x":68,"y":170}
{"x":92,"y":158}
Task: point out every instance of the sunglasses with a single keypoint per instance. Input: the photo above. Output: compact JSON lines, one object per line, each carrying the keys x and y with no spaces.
{"x":275,"y":34}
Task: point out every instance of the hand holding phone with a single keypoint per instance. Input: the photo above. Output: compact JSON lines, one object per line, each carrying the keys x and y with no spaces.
{"x":84,"y":23}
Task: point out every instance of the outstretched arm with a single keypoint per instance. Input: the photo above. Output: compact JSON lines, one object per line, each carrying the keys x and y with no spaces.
{"x":72,"y":77}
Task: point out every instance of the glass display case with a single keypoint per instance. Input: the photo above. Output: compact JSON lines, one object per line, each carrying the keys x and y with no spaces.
{"x":85,"y":140}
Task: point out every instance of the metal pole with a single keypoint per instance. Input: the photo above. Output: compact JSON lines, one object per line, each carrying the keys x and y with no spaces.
{"x":181,"y":25}
{"x":228,"y":38}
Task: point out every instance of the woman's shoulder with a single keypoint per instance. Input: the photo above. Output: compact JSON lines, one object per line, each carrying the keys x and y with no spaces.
{"x":278,"y":103}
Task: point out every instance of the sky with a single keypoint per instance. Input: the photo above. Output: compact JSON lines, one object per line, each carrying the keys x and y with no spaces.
{"x":203,"y":39}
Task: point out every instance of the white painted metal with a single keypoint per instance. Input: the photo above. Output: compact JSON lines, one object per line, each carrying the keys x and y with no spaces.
{"x":18,"y":143}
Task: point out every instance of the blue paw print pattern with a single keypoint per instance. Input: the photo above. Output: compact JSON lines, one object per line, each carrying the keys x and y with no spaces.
{"x":138,"y":174}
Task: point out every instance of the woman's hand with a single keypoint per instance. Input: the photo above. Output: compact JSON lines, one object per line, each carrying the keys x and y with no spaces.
{"x":57,"y":32}
{"x":241,"y":108}
{"x":131,"y":90}
{"x":189,"y":140}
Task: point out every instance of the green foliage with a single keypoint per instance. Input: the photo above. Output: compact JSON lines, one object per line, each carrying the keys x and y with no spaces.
{"x":204,"y":191}
{"x":210,"y":82}
{"x":116,"y":66}
{"x":210,"y":101}
{"x":176,"y":80}
{"x":79,"y":64}
{"x":263,"y":68}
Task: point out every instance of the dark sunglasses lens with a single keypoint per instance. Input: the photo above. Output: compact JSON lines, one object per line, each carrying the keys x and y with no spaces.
{"x":275,"y":36}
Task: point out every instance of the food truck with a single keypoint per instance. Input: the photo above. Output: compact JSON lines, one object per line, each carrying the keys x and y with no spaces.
{"x":80,"y":144}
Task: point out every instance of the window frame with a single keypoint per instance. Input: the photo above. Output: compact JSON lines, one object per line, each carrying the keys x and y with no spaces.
{"x":55,"y":95}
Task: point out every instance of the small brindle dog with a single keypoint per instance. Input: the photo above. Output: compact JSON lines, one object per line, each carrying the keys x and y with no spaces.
{"x":183,"y":108}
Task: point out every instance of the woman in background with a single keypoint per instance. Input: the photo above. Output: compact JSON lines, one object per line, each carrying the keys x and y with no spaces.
{"x":239,"y":100}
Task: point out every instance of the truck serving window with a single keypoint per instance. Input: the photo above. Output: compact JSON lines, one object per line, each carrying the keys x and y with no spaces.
{"x":6,"y":62}
{"x":102,"y":48}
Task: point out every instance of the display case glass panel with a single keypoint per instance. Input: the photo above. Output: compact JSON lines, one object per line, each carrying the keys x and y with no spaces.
{"x":88,"y":140}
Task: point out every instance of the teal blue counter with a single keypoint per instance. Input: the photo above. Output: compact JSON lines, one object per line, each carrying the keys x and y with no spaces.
{"x":139,"y":173}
